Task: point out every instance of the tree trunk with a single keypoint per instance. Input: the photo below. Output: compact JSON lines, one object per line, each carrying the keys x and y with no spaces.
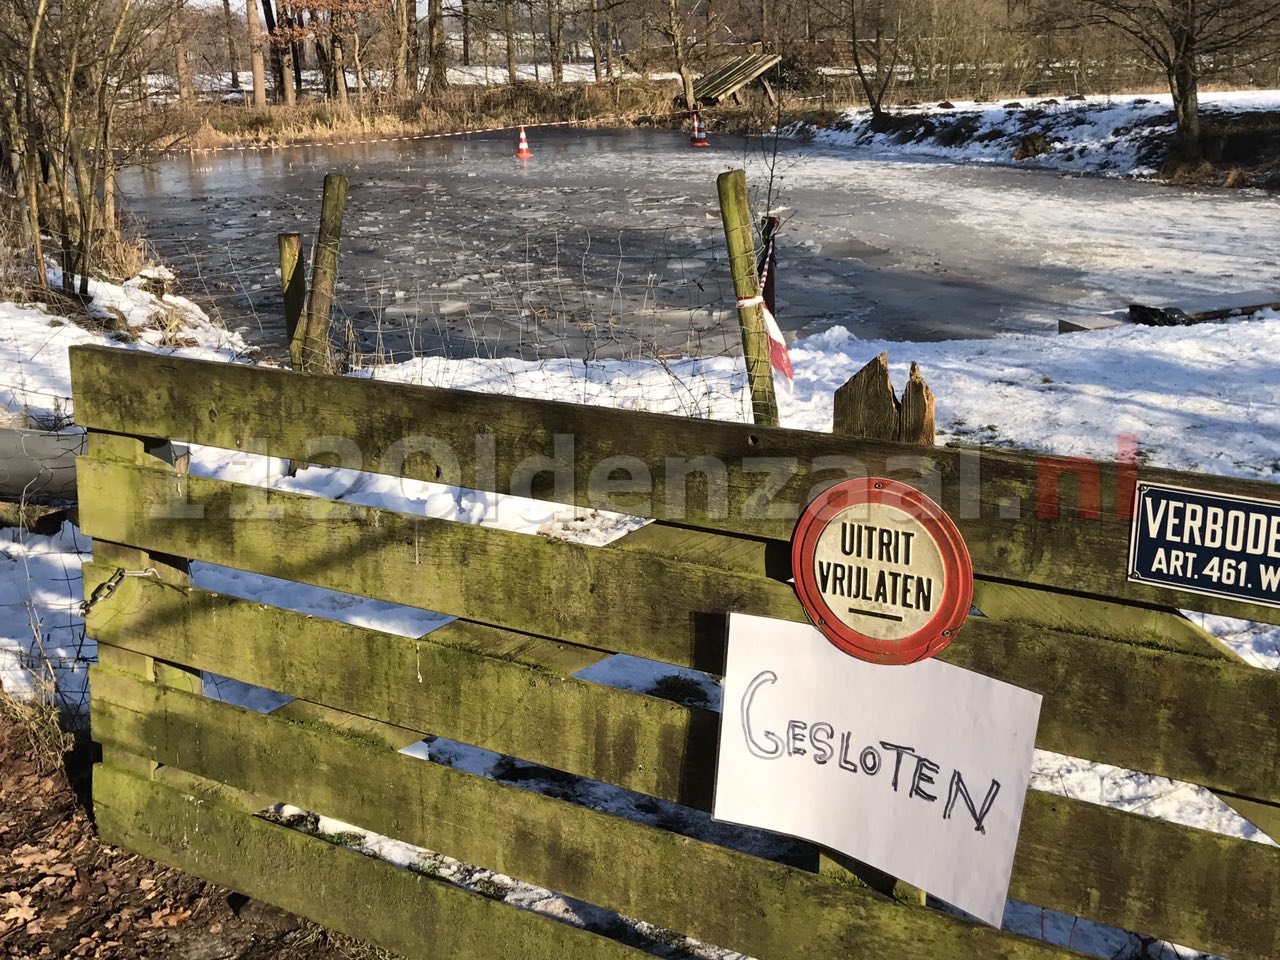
{"x":674,"y":29}
{"x":233,"y":56}
{"x":466,"y":33}
{"x":400,"y":83}
{"x":533,"y":44}
{"x":509,"y":27}
{"x":357,"y":63}
{"x":611,"y":40}
{"x":1184,"y":84}
{"x":555,"y":41}
{"x":596,"y":63}
{"x":288,"y":66}
{"x":323,"y":60}
{"x":186,"y":89}
{"x":339,"y":70}
{"x":415,"y":54}
{"x":277,"y":65}
{"x":437,"y":48}
{"x":255,"y":55}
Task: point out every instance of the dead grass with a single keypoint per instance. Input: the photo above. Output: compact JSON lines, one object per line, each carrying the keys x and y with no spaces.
{"x":17,"y":261}
{"x":40,"y":727}
{"x":1235,"y":178}
{"x":457,"y":109}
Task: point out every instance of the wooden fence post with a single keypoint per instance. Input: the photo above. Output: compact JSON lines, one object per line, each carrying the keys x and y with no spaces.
{"x":317,"y":356}
{"x":867,"y":406}
{"x":735,"y":212}
{"x":293,"y":280}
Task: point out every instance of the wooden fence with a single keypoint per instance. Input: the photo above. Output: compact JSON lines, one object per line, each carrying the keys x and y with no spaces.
{"x":1125,"y":678}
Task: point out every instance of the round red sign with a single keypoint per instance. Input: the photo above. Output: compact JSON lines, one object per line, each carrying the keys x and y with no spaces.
{"x":882,"y":571}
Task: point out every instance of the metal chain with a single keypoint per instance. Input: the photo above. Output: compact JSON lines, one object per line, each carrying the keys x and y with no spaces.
{"x":108,"y":586}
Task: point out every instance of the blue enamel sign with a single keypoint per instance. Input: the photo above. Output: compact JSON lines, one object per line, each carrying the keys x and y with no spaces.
{"x":1211,"y":543}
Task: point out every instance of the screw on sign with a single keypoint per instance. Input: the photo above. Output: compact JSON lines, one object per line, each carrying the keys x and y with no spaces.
{"x":881,"y":571}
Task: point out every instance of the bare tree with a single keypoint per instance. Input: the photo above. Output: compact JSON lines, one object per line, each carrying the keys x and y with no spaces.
{"x":555,"y":40}
{"x":875,"y":55}
{"x":509,"y":29}
{"x":256,"y":62}
{"x":66,"y":72}
{"x":1187,"y":39}
{"x":437,"y":48}
{"x":233,"y":58}
{"x":667,"y":19}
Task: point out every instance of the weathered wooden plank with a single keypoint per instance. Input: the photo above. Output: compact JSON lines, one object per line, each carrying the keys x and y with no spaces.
{"x":1097,"y":862}
{"x":118,"y":559}
{"x":731,"y":77}
{"x":707,"y":474}
{"x":765,"y":558}
{"x":1264,"y":816}
{"x":412,"y":914}
{"x":532,"y":584}
{"x":1185,"y":717}
{"x":867,"y":406}
{"x":437,"y":685}
{"x":1162,"y":627}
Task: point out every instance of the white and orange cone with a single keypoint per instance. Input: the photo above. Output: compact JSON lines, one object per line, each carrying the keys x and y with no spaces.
{"x":699,"y":136}
{"x":523,"y":152}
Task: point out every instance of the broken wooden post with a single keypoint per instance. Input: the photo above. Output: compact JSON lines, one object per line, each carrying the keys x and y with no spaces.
{"x":916,"y":417}
{"x":735,"y":212}
{"x":317,"y":356}
{"x":293,"y":281}
{"x":867,"y":406}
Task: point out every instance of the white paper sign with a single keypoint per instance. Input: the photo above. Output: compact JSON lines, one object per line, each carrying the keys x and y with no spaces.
{"x":918,"y":770}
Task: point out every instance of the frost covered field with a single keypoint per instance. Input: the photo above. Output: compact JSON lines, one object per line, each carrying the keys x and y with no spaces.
{"x":1202,"y":398}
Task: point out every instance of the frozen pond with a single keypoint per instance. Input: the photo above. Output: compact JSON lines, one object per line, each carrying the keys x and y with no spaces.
{"x":608,"y":243}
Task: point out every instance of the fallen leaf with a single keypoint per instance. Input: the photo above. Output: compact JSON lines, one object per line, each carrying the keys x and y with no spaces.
{"x":163,"y":919}
{"x":22,"y":913}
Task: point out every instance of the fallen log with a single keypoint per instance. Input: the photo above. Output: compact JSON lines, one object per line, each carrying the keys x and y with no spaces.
{"x":1210,"y":307}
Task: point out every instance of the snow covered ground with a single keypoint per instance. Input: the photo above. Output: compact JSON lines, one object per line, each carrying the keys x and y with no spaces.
{"x":1201,"y":398}
{"x":1113,"y":135}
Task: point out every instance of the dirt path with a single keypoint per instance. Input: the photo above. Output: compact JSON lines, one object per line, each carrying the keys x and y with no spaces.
{"x":64,"y":893}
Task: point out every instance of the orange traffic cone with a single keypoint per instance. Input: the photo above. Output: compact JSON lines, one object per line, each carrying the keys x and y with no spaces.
{"x":699,"y":136}
{"x":523,"y":152}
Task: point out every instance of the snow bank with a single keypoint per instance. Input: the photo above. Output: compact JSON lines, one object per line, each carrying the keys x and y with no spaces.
{"x":1117,"y":136}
